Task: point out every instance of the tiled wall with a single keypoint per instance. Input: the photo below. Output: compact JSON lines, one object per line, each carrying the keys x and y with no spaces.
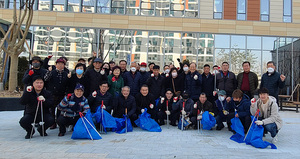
{"x":206,"y":9}
{"x":276,"y":10}
{"x":160,"y":23}
{"x":253,"y":10}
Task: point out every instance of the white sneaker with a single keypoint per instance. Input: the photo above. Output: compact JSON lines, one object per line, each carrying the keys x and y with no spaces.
{"x":275,"y":139}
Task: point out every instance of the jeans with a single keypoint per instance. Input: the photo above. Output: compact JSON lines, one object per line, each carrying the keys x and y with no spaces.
{"x":272,"y":128}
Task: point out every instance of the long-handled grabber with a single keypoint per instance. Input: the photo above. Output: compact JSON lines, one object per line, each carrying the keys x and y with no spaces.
{"x":256,"y":115}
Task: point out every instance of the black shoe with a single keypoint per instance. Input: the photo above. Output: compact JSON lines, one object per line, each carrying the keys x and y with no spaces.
{"x":61,"y":134}
{"x":29,"y":134}
{"x":39,"y":129}
{"x":220,"y":127}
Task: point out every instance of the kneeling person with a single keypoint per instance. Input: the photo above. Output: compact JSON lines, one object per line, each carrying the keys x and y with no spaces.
{"x":268,"y":116}
{"x":70,"y":107}
{"x":144,"y":99}
{"x":31,"y":97}
{"x":200,"y":107}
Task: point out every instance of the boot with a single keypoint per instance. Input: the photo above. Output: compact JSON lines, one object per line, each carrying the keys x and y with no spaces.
{"x":39,"y":129}
{"x":29,"y":134}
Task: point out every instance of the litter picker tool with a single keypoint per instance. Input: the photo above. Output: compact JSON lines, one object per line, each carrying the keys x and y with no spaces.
{"x":34,"y":120}
{"x":126,"y":119}
{"x":101,"y":125}
{"x":255,"y":116}
{"x":167,"y":104}
{"x":182,"y":117}
{"x":42,"y":122}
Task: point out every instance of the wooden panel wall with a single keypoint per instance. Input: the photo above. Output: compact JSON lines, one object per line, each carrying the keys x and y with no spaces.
{"x":230,"y":9}
{"x":253,"y":10}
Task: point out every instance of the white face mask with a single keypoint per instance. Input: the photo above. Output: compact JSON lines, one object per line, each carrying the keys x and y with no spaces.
{"x":133,"y":69}
{"x":167,"y":71}
{"x":185,"y":69}
{"x":174,"y":74}
{"x":221,"y":98}
{"x":270,"y":70}
{"x":143,"y":69}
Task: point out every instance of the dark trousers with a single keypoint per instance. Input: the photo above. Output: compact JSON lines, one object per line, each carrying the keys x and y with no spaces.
{"x":194,"y":120}
{"x":272,"y":128}
{"x":246,"y":121}
{"x":27,"y":120}
{"x":220,"y":119}
{"x":161,"y":116}
{"x":56,"y":100}
{"x":175,"y":116}
{"x":63,"y":121}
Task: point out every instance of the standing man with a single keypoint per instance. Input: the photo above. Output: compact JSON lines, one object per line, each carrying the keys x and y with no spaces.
{"x":123,"y":64}
{"x":226,"y":80}
{"x":95,"y":76}
{"x":133,"y":79}
{"x":208,"y":83}
{"x":193,"y":82}
{"x":144,"y":73}
{"x":57,"y":84}
{"x":30,"y":98}
{"x":247,"y":80}
{"x":155,"y":83}
{"x":272,"y":80}
{"x":36,"y":70}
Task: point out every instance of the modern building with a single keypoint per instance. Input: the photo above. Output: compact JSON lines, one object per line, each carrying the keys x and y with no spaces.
{"x":160,"y":31}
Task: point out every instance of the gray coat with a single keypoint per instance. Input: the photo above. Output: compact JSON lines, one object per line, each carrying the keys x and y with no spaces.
{"x":270,"y":113}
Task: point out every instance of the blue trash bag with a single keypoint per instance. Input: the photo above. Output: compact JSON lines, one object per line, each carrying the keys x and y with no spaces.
{"x":208,"y":121}
{"x":121,"y":125}
{"x":108,"y":121}
{"x":85,"y":128}
{"x":185,"y":123}
{"x":146,"y":123}
{"x":238,"y":127}
{"x":255,"y":136}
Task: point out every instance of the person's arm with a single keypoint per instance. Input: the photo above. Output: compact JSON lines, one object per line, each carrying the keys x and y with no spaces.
{"x":86,"y":106}
{"x":281,"y":83}
{"x":49,"y":102}
{"x":25,"y":99}
{"x":255,"y":80}
{"x":26,"y":78}
{"x":262,"y":81}
{"x":63,"y":105}
{"x":246,"y":110}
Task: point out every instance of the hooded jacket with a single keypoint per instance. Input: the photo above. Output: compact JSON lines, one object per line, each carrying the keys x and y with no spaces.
{"x":243,"y":109}
{"x":269,"y":113}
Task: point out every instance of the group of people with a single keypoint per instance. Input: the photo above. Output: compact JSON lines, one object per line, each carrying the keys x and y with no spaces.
{"x":176,"y":92}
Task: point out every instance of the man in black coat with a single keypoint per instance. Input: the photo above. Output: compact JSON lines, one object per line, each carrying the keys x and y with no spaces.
{"x":30,"y":98}
{"x":144,"y":99}
{"x":96,"y":98}
{"x":57,"y":84}
{"x":36,"y":70}
{"x":208,"y":83}
{"x":226,"y":80}
{"x":94,"y":76}
{"x":123,"y":102}
{"x":155,"y":83}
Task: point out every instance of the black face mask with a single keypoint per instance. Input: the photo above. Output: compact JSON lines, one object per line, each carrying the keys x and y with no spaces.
{"x":236,"y":102}
{"x":36,"y":65}
{"x":185,"y":96}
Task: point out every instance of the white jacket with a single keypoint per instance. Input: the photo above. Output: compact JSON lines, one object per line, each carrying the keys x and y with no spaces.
{"x":270,"y":113}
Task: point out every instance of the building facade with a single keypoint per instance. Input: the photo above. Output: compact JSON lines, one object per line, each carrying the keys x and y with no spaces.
{"x":160,"y":31}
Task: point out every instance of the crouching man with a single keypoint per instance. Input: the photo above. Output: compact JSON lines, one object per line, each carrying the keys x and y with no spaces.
{"x":70,"y":107}
{"x":31,"y":97}
{"x":268,"y":115}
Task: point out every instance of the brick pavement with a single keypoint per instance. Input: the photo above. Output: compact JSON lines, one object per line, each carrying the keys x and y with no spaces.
{"x":170,"y":143}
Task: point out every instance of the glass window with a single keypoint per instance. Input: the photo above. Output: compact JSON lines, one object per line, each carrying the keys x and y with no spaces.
{"x":58,"y":5}
{"x":177,"y":8}
{"x":73,"y":5}
{"x":241,"y":10}
{"x":189,"y":46}
{"x":147,"y":7}
{"x":133,"y":7}
{"x":162,"y":8}
{"x":218,"y":9}
{"x":222,"y":55}
{"x":254,"y":42}
{"x":222,"y":41}
{"x":238,"y":42}
{"x":287,"y":11}
{"x":11,"y":4}
{"x":264,"y":10}
{"x":139,"y":46}
{"x":88,"y":6}
{"x":172,"y":47}
{"x":191,"y":8}
{"x":117,"y":6}
{"x":269,"y":43}
{"x":44,"y":4}
{"x":103,"y":6}
{"x":1,"y":3}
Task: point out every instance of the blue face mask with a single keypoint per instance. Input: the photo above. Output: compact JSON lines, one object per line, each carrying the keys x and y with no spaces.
{"x":79,"y":71}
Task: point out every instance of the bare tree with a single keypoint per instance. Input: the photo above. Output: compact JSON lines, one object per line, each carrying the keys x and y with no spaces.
{"x":15,"y":37}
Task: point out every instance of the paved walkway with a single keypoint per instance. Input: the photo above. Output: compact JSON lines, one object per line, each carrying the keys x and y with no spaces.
{"x":139,"y":144}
